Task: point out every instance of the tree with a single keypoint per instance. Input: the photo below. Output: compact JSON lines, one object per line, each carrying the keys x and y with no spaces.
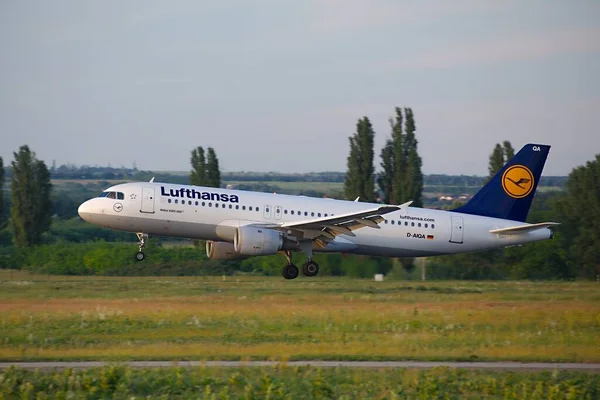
{"x":213,"y":174}
{"x":496,"y":160}
{"x":413,"y":181}
{"x":2,"y":215}
{"x":359,"y":180}
{"x":399,"y":165}
{"x":31,"y":211}
{"x":579,"y":211}
{"x":198,"y":174}
{"x":509,"y":151}
{"x":386,"y":178}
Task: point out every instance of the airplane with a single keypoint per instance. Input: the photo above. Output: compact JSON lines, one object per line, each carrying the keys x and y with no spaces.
{"x":239,"y":224}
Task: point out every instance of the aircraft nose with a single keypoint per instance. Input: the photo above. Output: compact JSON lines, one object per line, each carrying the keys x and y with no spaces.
{"x":85,"y":211}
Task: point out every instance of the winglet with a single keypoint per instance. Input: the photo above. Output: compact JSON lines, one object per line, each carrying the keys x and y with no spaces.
{"x":405,"y":205}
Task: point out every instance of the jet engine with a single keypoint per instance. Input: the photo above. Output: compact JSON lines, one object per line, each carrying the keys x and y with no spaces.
{"x":222,"y":251}
{"x":254,"y":241}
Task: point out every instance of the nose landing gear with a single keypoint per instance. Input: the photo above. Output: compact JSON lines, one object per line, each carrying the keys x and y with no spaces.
{"x":140,"y":256}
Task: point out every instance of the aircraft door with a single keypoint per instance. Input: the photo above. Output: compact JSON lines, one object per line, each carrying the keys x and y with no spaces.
{"x":267,"y":212}
{"x":456,"y":236}
{"x":277,"y":212}
{"x":147,"y":200}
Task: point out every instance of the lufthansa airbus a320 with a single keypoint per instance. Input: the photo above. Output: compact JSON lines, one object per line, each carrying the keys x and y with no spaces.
{"x":241,"y":224}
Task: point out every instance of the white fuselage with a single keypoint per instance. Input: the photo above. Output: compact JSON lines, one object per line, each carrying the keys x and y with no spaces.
{"x":214,"y":214}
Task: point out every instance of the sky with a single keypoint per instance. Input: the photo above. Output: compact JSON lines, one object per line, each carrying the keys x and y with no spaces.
{"x":278,"y":85}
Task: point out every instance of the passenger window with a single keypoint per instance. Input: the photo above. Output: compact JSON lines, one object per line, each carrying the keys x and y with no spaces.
{"x":256,"y":209}
{"x":250,"y":208}
{"x":189,"y":202}
{"x":419,"y":224}
{"x":176,"y":201}
{"x":305,"y":214}
{"x":386,"y":221}
{"x":223,"y":206}
{"x":392,"y":222}
{"x":196,"y":204}
{"x":426,"y":225}
{"x":319,"y":214}
{"x":169,"y":200}
{"x":285,"y":211}
{"x":432,"y":226}
{"x":412,"y":224}
{"x":405,"y":223}
{"x":210,"y":204}
{"x":292,"y":212}
{"x":325,"y":215}
{"x":244,"y":208}
{"x":237,"y":207}
{"x":230,"y":206}
{"x":203,"y":203}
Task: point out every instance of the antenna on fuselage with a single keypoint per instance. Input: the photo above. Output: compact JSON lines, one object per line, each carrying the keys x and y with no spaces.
{"x":152,"y":180}
{"x":356,"y":199}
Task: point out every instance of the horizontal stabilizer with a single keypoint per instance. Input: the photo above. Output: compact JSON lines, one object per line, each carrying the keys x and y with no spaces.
{"x":515,"y":230}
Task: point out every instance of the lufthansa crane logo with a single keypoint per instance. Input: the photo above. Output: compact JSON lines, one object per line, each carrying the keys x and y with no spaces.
{"x":517,"y":181}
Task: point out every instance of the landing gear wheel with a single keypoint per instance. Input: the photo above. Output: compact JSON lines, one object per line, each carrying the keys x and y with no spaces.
{"x":310,"y":268}
{"x":139,"y":256}
{"x":290,"y":271}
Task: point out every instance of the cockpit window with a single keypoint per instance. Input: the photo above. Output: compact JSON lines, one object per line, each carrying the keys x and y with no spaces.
{"x":113,"y":195}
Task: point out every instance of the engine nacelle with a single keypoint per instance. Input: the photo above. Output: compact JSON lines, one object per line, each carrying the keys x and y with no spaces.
{"x":222,"y":251}
{"x":253,"y":241}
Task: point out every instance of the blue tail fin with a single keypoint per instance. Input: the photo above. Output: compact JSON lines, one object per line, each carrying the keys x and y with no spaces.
{"x":509,"y":193}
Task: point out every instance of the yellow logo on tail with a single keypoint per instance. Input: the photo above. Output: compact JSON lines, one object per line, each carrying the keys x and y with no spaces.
{"x":517,"y":181}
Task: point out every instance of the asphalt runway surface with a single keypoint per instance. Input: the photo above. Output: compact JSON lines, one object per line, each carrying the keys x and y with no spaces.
{"x":497,"y":366}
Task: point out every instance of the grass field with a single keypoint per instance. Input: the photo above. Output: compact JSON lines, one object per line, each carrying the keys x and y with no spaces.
{"x":204,"y":318}
{"x":296,"y":383}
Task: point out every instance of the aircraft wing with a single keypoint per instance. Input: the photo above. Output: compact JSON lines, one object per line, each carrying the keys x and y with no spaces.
{"x":515,"y":230}
{"x":325,"y":229}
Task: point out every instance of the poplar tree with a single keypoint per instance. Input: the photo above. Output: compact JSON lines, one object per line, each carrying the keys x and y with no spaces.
{"x":31,"y":211}
{"x":496,"y":160}
{"x":2,"y":215}
{"x":359,"y":180}
{"x":509,"y":151}
{"x":198,"y":173}
{"x":399,"y":172}
{"x":213,"y":174}
{"x":413,"y":182}
{"x":386,"y":178}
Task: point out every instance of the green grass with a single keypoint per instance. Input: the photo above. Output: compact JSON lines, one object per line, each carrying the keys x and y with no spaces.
{"x":203,"y":318}
{"x":282,"y":382}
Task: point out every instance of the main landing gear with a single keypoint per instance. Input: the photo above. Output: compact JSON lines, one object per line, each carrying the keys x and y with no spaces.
{"x":139,"y":256}
{"x":309,"y":268}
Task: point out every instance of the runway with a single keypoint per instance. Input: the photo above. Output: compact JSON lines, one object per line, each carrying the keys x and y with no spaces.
{"x":498,"y":366}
